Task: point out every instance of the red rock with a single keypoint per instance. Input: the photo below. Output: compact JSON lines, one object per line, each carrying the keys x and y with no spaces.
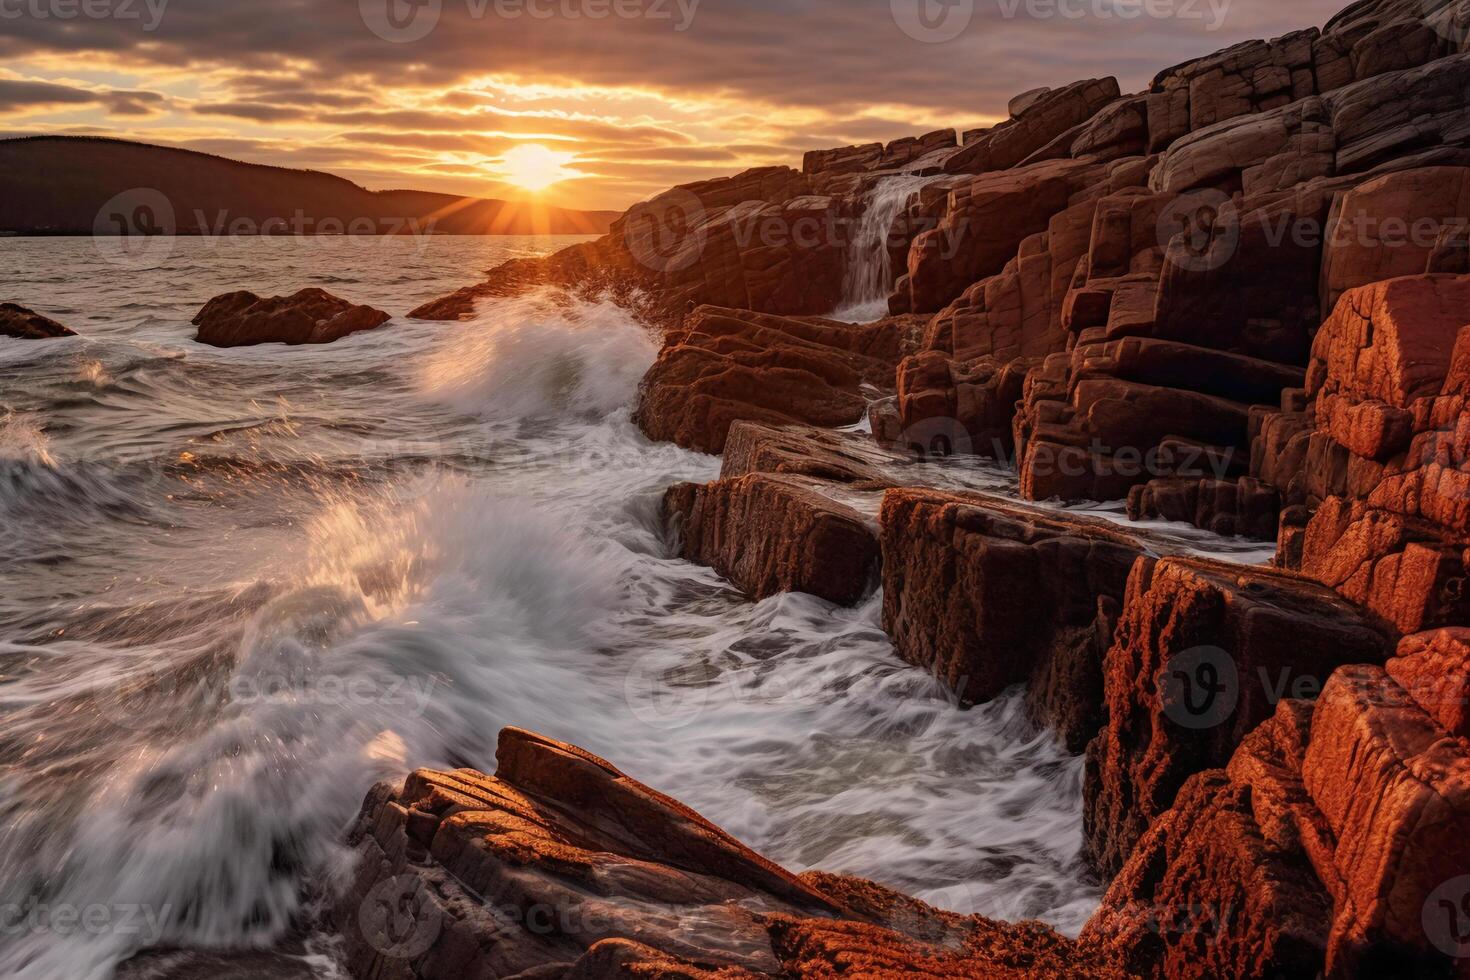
{"x":309,"y":316}
{"x":985,"y":594}
{"x":23,"y":324}
{"x":1039,"y":118}
{"x":1118,"y":130}
{"x":1394,"y":790}
{"x":1434,"y":669}
{"x":1206,"y":896}
{"x":1203,"y":653}
{"x":838,"y":457}
{"x":562,"y":866}
{"x":972,"y":402}
{"x":985,"y":221}
{"x":770,"y":534}
{"x":1389,"y":226}
{"x":1244,"y":507}
{"x":1397,"y":568}
{"x":726,"y":365}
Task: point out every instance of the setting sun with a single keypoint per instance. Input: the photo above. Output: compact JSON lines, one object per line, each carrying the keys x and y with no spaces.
{"x":533,"y":167}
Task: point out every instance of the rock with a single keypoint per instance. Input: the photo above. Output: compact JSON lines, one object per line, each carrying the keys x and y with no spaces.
{"x":1393,"y":790}
{"x":1390,"y":226}
{"x":1118,"y":130}
{"x":1386,"y":464}
{"x":837,"y":457}
{"x":1207,"y":896}
{"x":1434,"y":669}
{"x":1397,"y":568}
{"x":1249,"y":78}
{"x":1203,"y":653}
{"x":984,"y":223}
{"x":969,"y":402}
{"x":1039,"y":118}
{"x":1020,"y":311}
{"x":23,"y":324}
{"x":985,"y":594}
{"x":562,"y":866}
{"x":1245,"y":507}
{"x":770,"y":534}
{"x":309,"y":316}
{"x":726,"y":365}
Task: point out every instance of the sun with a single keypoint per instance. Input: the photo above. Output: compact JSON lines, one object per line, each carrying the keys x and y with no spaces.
{"x":533,"y":167}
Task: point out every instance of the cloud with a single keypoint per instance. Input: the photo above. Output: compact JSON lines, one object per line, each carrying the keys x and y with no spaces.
{"x":746,"y":81}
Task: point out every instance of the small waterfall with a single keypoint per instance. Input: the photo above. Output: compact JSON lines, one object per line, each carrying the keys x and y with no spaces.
{"x":870,"y":275}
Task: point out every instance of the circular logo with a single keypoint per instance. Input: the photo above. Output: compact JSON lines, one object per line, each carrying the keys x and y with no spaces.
{"x":1199,"y":687}
{"x":937,"y":438}
{"x":659,"y":698}
{"x":399,"y":918}
{"x":400,"y":21}
{"x":1200,"y":230}
{"x":1446,"y":917}
{"x":134,"y":230}
{"x":932,"y":21}
{"x":666,"y":233}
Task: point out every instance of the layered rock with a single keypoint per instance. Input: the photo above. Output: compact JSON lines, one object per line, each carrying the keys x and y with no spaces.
{"x":23,"y":324}
{"x":985,"y":594}
{"x":985,"y":220}
{"x":770,"y":533}
{"x":560,"y":865}
{"x":1039,"y":119}
{"x":1332,"y":844}
{"x":1202,"y":654}
{"x":309,"y":316}
{"x":726,"y":365}
{"x":1385,"y":458}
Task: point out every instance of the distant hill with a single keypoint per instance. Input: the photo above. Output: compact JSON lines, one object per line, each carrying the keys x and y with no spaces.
{"x":69,"y":185}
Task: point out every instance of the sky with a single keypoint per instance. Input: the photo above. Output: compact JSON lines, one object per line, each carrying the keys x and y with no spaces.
{"x":582,"y":103}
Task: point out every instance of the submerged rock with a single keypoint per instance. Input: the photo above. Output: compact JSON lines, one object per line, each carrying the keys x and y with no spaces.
{"x":310,"y":316}
{"x":23,"y":324}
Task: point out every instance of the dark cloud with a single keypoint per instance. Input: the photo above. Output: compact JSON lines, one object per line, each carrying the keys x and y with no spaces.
{"x":843,"y":53}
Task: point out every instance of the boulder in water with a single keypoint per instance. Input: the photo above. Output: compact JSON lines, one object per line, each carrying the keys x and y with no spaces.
{"x":23,"y":324}
{"x":309,"y":316}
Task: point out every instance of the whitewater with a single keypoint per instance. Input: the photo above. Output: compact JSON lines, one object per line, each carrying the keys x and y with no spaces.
{"x":237,"y":587}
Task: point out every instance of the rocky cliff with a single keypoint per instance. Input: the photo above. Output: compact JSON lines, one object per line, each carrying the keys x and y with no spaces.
{"x":1238,"y":299}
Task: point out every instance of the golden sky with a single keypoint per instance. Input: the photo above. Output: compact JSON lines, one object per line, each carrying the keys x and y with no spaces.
{"x":585,"y":103}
